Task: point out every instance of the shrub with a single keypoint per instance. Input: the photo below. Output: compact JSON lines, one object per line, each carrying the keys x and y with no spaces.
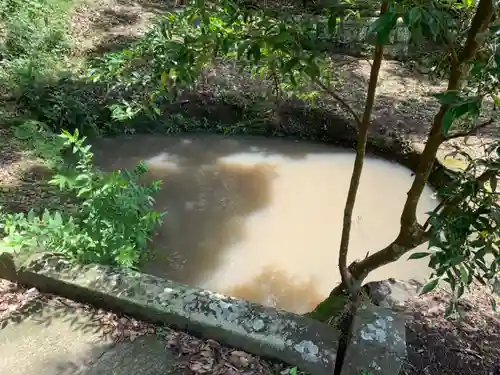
{"x":62,"y":103}
{"x":110,"y":223}
{"x":34,"y":51}
{"x":34,"y":28}
{"x":37,"y":141}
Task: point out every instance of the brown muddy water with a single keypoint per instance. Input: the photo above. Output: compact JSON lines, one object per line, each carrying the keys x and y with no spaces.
{"x":260,"y":218}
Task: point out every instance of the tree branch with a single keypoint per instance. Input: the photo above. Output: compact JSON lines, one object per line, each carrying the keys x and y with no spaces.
{"x":457,"y":71}
{"x":391,"y":253}
{"x":470,"y":131}
{"x":339,"y":99}
{"x":353,"y":284}
{"x":412,"y":234}
{"x":436,"y":210}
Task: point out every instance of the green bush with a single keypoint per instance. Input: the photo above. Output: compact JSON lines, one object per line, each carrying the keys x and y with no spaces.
{"x":34,"y":28}
{"x":110,"y":221}
{"x":34,"y":55}
{"x":62,"y":103}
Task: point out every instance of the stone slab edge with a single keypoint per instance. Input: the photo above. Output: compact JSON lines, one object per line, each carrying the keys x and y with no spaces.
{"x":293,"y":339}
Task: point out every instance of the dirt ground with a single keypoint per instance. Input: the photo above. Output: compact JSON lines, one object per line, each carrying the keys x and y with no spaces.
{"x":436,"y":346}
{"x":193,"y":356}
{"x":469,"y":344}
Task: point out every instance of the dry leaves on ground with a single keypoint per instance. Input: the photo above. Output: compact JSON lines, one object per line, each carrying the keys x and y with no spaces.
{"x":208,"y":356}
{"x":194,"y":356}
{"x":14,"y":297}
{"x":469,"y":344}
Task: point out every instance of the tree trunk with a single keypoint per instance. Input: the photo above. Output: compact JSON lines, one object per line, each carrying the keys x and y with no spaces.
{"x":411,"y":233}
{"x":352,"y":284}
{"x":358,"y":165}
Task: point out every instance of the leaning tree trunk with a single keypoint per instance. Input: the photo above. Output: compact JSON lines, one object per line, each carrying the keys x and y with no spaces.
{"x":411,"y":233}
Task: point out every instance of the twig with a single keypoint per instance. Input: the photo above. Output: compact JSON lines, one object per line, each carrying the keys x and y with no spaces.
{"x":436,"y":210}
{"x":453,"y":51}
{"x":339,"y":99}
{"x":467,"y":351}
{"x":471,"y":131}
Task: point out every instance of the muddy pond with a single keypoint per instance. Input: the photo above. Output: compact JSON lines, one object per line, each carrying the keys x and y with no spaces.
{"x":260,"y":218}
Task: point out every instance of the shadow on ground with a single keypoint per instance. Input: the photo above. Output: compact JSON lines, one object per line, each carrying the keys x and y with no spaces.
{"x":44,"y":310}
{"x":146,"y":355}
{"x":110,"y":25}
{"x":61,"y":337}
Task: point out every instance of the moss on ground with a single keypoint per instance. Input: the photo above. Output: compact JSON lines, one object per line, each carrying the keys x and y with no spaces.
{"x":330,"y":309}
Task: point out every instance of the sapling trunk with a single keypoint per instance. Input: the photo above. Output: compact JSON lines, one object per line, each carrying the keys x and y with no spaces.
{"x":352,"y":284}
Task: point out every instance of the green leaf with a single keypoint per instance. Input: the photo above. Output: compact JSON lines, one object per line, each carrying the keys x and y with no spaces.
{"x":495,"y":26}
{"x":493,"y":303}
{"x":450,"y":97}
{"x":383,"y":26}
{"x":57,"y":219}
{"x":433,"y":27}
{"x":448,"y":118}
{"x":414,"y":16}
{"x":290,"y":64}
{"x":241,"y":49}
{"x":464,"y":276}
{"x":430,"y":286}
{"x":418,"y":255}
{"x":255,"y":52}
{"x":293,"y":371}
{"x":460,"y":291}
{"x":470,"y":106}
{"x":312,"y":70}
{"x":451,"y":279}
{"x":332,"y":23}
{"x":164,"y":78}
{"x":493,"y":183}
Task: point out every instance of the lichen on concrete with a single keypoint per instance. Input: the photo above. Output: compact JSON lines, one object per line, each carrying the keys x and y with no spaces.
{"x":378,"y":342}
{"x":268,"y":332}
{"x":381,"y":330}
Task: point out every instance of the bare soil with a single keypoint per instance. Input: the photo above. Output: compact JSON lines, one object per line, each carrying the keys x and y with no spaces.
{"x":436,"y":346}
{"x":468,"y":344}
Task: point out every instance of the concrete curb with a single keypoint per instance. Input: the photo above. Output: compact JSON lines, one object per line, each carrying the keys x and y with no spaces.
{"x":275,"y":334}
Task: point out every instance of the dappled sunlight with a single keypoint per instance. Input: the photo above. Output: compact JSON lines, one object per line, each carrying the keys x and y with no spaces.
{"x":21,"y":179}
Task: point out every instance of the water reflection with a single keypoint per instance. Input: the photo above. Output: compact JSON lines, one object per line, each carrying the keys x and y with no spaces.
{"x":276,"y":288}
{"x":206,"y":209}
{"x":260,"y":218}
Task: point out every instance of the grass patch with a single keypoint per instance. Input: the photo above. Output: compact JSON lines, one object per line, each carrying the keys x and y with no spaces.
{"x":34,"y":40}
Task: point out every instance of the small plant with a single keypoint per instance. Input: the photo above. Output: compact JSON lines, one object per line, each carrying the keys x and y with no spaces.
{"x":110,"y":223}
{"x":39,"y":141}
